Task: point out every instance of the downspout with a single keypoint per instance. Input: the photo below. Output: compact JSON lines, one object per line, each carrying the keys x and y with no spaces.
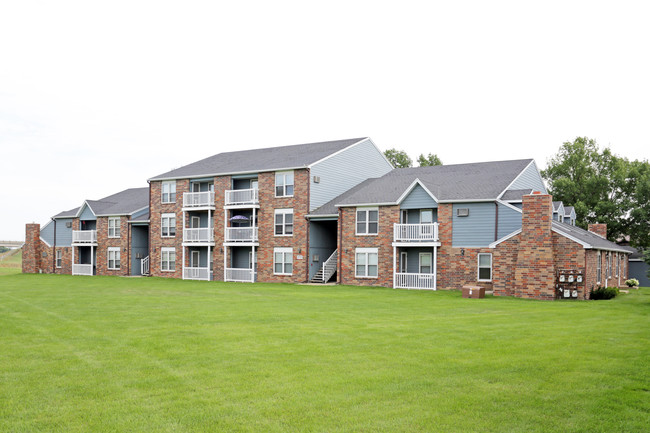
{"x":339,"y":271}
{"x":308,"y":231}
{"x":149,"y":230}
{"x":128,"y":248}
{"x":496,"y":222}
{"x":54,"y":249}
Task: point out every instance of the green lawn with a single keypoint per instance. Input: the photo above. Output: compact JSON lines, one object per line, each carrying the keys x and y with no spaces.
{"x":104,"y":354}
{"x":11,"y":262}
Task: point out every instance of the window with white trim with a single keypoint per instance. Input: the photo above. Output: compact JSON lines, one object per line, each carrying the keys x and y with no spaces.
{"x":284,"y":222}
{"x":485,"y":267}
{"x":426,"y":263}
{"x":114,"y":227}
{"x":366,"y":263}
{"x":167,"y":259}
{"x":282,"y":261}
{"x":113,"y":258}
{"x":618,"y":265}
{"x":168,"y":191}
{"x":608,"y":258}
{"x":59,"y":258}
{"x":284,"y":184}
{"x":367,"y":221}
{"x":599,"y":266}
{"x":168,"y":225}
{"x":426,"y":216}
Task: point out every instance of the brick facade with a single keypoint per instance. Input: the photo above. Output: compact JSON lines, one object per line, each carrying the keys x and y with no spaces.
{"x":104,"y":243}
{"x":599,"y":229}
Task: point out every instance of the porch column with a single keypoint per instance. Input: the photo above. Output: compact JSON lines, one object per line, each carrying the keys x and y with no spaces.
{"x":435,"y":268}
{"x":394,"y":263}
{"x":209,"y":260}
{"x":183,"y":267}
{"x":253,"y":226}
{"x":253,"y":264}
{"x":72,"y":269}
{"x":92,"y":259}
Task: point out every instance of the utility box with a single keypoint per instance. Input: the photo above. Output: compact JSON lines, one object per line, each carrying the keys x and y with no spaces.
{"x":473,"y":292}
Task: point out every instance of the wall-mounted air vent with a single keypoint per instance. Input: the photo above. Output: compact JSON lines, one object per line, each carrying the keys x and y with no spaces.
{"x":316,"y":179}
{"x":462,"y":212}
{"x":68,"y":224}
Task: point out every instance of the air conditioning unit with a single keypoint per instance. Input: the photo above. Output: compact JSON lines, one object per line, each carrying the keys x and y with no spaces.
{"x":68,"y":224}
{"x":316,"y":179}
{"x":462,"y":212}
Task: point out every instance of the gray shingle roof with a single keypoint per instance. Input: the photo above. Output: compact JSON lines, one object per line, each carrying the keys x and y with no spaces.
{"x":267,"y":159}
{"x":568,"y":210}
{"x":122,"y":203}
{"x":591,"y":239}
{"x":556,"y":205}
{"x":142,"y":218}
{"x":67,"y":213}
{"x":476,"y":181}
{"x":515,"y":194}
{"x":330,"y":208}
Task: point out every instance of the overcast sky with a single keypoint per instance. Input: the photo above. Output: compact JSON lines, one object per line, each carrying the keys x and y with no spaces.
{"x":98,"y":97}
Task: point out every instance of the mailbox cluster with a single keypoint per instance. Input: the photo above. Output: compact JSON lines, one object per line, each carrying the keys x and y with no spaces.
{"x":568,"y":283}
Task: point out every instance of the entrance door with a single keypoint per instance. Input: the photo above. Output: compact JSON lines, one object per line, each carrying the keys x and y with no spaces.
{"x":403,"y":262}
{"x":195,"y":259}
{"x":195,"y":222}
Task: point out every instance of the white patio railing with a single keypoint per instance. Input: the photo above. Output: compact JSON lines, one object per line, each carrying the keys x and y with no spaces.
{"x":414,"y":281}
{"x":198,"y":199}
{"x":415,"y":232}
{"x":144,"y":266}
{"x":242,"y":196}
{"x":241,"y":234}
{"x":241,"y":275}
{"x":84,"y":236}
{"x":194,"y":273}
{"x":198,"y":235}
{"x":82,"y":269}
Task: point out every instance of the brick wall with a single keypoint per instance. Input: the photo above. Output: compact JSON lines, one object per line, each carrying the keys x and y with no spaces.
{"x":569,"y":255}
{"x":504,"y":264}
{"x":599,"y":229}
{"x":221,"y":184}
{"x":104,"y":242}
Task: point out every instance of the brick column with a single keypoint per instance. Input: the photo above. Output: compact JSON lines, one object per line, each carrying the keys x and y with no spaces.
{"x":32,"y":249}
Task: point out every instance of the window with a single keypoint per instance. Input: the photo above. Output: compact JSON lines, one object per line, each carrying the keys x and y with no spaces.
{"x":403,"y":262}
{"x":284,"y":184}
{"x":618,"y":265}
{"x":169,"y":191}
{"x":366,"y":263}
{"x":426,"y":216}
{"x":168,"y":225}
{"x":485,"y":267}
{"x":608,"y":258}
{"x":282,"y":261}
{"x":113,"y":258}
{"x":59,"y":258}
{"x":425,"y":263}
{"x":598,"y":267}
{"x":167,"y":259}
{"x":284,"y":222}
{"x":114,"y":227}
{"x":367,"y":221}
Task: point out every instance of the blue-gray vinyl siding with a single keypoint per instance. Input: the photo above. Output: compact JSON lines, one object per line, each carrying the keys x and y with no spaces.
{"x":529,"y":178}
{"x":413,"y":258}
{"x":418,"y":198}
{"x":509,"y":221}
{"x":413,"y":216}
{"x":203,"y":218}
{"x":139,"y":247}
{"x":240,"y":257}
{"x":345,"y":170}
{"x":242,"y":183}
{"x":139,"y":213}
{"x":475,"y":230}
{"x":87,"y":214}
{"x":203,"y":256}
{"x":322,"y":243}
{"x":63,"y":233}
{"x":639,"y":270}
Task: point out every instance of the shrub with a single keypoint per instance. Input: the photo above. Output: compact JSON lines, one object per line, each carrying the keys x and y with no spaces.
{"x":632,"y":282}
{"x":604,"y":293}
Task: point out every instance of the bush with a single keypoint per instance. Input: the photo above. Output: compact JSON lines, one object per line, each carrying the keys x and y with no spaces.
{"x":604,"y":293}
{"x":632,"y":282}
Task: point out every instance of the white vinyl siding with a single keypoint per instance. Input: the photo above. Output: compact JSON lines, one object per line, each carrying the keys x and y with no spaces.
{"x":284,"y":184}
{"x":168,"y":225}
{"x":367,"y":221}
{"x":169,"y":191}
{"x":113,"y":258}
{"x":284,"y":222}
{"x":282,"y":261}
{"x":484,"y":267}
{"x":366,"y":263}
{"x":114,"y":227}
{"x":167,"y":259}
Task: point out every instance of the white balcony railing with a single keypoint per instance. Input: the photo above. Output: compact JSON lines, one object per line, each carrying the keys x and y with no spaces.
{"x":241,"y":234}
{"x":198,"y":199}
{"x":414,"y":281}
{"x":415,"y":232}
{"x":241,"y":275}
{"x":190,"y":273}
{"x":242,"y":197}
{"x":82,"y":269}
{"x":84,"y":237}
{"x":198,"y":235}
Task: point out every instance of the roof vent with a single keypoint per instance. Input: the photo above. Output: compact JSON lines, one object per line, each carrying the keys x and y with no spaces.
{"x":462,"y":212}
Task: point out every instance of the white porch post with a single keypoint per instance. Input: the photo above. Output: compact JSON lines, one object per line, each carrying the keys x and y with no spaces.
{"x":394,"y":263}
{"x":72,"y":270}
{"x":209,"y":261}
{"x":183,"y":267}
{"x":225,"y":248}
{"x":92,"y":259}
{"x":435,"y":268}
{"x":253,"y":264}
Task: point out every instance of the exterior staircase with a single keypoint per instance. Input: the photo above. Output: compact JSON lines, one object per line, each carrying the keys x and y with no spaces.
{"x":327,"y":270}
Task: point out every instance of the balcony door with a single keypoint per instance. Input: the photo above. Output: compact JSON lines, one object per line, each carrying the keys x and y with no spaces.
{"x":195,"y":222}
{"x":195,"y":260}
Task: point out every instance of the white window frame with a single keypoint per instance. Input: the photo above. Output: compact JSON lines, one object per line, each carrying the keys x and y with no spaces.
{"x":58,"y":257}
{"x":479,"y":267}
{"x":113,"y":255}
{"x":426,"y":210}
{"x":366,"y":253}
{"x":168,"y":191}
{"x":430,"y":263}
{"x":164,"y":258}
{"x":608,"y":258}
{"x":366,"y":224}
{"x":284,"y":183}
{"x":285,"y":253}
{"x":404,"y":262}
{"x":281,"y":214}
{"x":618,"y":265}
{"x":599,"y":267}
{"x":114,"y":227}
{"x":168,"y":226}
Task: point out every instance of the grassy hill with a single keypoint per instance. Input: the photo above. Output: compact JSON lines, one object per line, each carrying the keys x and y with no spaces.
{"x":11,"y":261}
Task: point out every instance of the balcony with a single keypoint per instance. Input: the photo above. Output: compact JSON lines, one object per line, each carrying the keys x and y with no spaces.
{"x":415,"y":232}
{"x":241,"y":275}
{"x":82,"y":269}
{"x":190,"y":273}
{"x":84,"y":237}
{"x":200,"y":235}
{"x":241,"y":234}
{"x":239,"y":197}
{"x":198,"y":199}
{"x":402,"y":280}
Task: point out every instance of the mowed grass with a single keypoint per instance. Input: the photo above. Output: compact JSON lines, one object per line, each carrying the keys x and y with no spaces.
{"x":104,"y":354}
{"x":11,"y":262}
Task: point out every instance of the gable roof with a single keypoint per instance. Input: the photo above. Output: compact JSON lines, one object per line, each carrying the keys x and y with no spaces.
{"x":586,"y":238}
{"x":330,"y":208}
{"x":67,"y":213}
{"x":259,"y":160}
{"x":481,"y":181}
{"x":568,"y":210}
{"x":516,"y":194}
{"x":557,"y":205}
{"x":122,"y":203}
